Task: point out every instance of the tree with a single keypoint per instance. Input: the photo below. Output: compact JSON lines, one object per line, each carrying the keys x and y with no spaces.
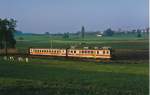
{"x":139,"y":33}
{"x":7,"y":27}
{"x":82,"y":32}
{"x":46,"y":33}
{"x":66,"y":35}
{"x":108,"y":32}
{"x":21,"y":38}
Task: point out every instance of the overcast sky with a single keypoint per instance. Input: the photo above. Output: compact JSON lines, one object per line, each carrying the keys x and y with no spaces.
{"x":39,"y":16}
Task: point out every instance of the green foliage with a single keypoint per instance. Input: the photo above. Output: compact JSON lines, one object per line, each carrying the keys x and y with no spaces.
{"x":66,"y":35}
{"x":139,"y":33}
{"x":7,"y":27}
{"x":21,"y":38}
{"x":46,"y":33}
{"x":108,"y":32}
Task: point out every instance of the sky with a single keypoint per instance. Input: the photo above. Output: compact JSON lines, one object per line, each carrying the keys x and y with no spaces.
{"x":59,"y":16}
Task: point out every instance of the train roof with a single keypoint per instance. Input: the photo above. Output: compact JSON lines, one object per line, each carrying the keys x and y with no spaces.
{"x":102,"y":48}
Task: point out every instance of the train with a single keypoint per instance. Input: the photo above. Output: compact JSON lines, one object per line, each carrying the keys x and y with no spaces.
{"x":99,"y":53}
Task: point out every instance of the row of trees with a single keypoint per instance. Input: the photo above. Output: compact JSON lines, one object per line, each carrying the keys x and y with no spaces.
{"x":7,"y":27}
{"x":82,"y":32}
{"x":107,"y":32}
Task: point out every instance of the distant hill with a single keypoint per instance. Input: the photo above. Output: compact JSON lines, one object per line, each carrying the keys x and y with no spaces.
{"x":21,"y":33}
{"x":18,"y":33}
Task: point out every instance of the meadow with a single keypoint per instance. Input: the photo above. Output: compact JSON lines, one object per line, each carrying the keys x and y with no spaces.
{"x":62,"y":77}
{"x":126,"y":74}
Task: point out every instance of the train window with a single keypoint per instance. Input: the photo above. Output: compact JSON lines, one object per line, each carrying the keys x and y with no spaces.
{"x":107,"y":52}
{"x":74,"y":51}
{"x":91,"y":52}
{"x":71,"y":51}
{"x":97,"y":52}
{"x":103,"y":52}
{"x":82,"y":51}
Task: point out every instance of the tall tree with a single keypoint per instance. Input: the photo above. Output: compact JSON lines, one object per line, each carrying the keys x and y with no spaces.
{"x":83,"y":32}
{"x":7,"y":27}
{"x":66,"y":35}
{"x":108,"y":32}
{"x":139,"y":34}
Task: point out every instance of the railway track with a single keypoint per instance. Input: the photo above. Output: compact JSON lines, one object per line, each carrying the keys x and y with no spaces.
{"x":55,"y":57}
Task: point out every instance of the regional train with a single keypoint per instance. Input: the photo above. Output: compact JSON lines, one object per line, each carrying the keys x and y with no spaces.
{"x":101,"y":53}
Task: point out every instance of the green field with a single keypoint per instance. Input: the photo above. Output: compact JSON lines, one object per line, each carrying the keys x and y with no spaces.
{"x":126,"y":74}
{"x":125,"y":46}
{"x":54,"y":77}
{"x":122,"y":42}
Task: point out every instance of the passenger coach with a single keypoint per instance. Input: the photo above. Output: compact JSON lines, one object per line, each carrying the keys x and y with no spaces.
{"x":103,"y":53}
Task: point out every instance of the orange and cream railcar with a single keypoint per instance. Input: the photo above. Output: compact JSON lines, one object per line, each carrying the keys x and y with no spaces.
{"x":80,"y":53}
{"x":48,"y":52}
{"x":88,"y":53}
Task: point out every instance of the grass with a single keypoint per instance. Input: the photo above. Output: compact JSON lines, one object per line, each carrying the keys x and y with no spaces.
{"x":126,"y":42}
{"x":54,"y":77}
{"x":128,"y":73}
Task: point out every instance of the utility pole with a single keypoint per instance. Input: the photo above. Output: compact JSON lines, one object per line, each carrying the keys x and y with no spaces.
{"x":51,"y":43}
{"x":6,"y":51}
{"x":82,"y":32}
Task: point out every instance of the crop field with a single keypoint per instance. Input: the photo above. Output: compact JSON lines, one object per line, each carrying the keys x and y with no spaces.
{"x":125,"y":47}
{"x":126,"y":74}
{"x":62,"y":77}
